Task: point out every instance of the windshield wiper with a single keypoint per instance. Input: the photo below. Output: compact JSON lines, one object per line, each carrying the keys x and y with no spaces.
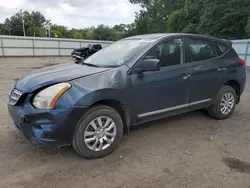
{"x":89,"y":64}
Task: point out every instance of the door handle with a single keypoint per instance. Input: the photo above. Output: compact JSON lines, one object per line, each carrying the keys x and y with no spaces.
{"x":222,"y":69}
{"x":184,"y":76}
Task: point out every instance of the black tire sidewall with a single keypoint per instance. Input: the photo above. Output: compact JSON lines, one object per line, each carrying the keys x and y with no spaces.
{"x":224,"y":90}
{"x":93,"y":113}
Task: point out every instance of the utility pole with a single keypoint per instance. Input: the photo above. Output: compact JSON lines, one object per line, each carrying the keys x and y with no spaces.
{"x":24,"y":34}
{"x":47,"y":30}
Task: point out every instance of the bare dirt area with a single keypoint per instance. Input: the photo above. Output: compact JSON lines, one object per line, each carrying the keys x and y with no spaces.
{"x":190,"y":150}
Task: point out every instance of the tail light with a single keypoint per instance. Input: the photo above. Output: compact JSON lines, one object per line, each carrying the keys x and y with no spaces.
{"x":242,"y":62}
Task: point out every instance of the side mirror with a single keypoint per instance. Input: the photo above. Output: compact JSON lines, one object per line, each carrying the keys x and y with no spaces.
{"x":146,"y":65}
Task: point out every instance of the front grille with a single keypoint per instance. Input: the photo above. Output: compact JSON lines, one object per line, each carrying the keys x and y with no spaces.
{"x":14,"y":97}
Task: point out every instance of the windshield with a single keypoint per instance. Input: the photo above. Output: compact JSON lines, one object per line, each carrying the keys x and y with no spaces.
{"x":117,"y":53}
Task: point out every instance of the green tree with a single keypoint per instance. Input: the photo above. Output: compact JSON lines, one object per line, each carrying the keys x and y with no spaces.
{"x":131,"y":30}
{"x":248,"y":28}
{"x":59,"y":30}
{"x":34,"y":22}
{"x":75,"y":34}
{"x":3,"y":29}
{"x":14,"y":24}
{"x":154,"y":14}
{"x":102,"y":32}
{"x":7,"y":27}
{"x":121,"y":28}
{"x":36,"y":31}
{"x":124,"y":30}
{"x":89,"y":34}
{"x":177,"y":21}
{"x":190,"y":28}
{"x":224,"y":18}
{"x":36,"y":19}
{"x":185,"y":19}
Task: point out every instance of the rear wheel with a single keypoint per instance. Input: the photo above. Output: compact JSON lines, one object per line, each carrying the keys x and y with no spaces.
{"x":225,"y":103}
{"x":98,"y":132}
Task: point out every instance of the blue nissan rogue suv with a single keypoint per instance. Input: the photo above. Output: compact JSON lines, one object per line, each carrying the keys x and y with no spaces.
{"x":134,"y":80}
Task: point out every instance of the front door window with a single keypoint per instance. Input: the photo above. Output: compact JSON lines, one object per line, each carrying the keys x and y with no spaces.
{"x":170,"y":53}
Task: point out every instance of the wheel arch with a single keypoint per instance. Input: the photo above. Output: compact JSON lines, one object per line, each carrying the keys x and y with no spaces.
{"x":119,"y":107}
{"x":236,"y":86}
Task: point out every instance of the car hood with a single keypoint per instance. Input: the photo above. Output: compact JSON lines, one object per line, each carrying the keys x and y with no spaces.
{"x":55,"y":74}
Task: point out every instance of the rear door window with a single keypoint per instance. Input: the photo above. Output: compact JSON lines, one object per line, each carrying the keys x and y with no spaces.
{"x":199,"y":50}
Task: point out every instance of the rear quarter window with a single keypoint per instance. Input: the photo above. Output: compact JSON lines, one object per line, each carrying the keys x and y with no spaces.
{"x":222,"y":48}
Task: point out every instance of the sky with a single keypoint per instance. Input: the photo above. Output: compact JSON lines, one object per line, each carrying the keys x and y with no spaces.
{"x":75,"y":13}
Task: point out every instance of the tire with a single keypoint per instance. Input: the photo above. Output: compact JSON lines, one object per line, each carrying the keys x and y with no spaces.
{"x":215,"y":110}
{"x":100,"y":111}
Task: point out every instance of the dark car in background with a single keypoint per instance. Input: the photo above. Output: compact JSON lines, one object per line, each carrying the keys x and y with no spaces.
{"x":131,"y":81}
{"x":85,"y":52}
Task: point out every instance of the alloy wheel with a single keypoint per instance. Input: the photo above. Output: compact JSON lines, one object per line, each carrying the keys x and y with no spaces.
{"x":227,"y":103}
{"x":100,"y":133}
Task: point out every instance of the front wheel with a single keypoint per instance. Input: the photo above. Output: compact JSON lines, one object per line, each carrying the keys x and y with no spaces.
{"x":98,"y":132}
{"x":225,"y":103}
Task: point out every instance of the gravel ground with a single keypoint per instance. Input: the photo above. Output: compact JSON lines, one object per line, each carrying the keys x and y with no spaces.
{"x":189,"y":150}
